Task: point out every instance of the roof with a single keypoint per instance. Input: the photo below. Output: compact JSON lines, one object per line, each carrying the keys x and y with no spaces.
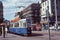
{"x":15,"y":20}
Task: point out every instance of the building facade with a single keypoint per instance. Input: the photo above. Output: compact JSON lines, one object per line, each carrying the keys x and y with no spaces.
{"x":33,"y":13}
{"x":53,"y":10}
{"x":51,"y":5}
{"x":1,"y":16}
{"x":47,"y":5}
{"x":1,"y":12}
{"x":43,"y":9}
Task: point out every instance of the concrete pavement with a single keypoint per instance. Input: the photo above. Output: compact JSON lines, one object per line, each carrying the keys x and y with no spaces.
{"x":37,"y":35}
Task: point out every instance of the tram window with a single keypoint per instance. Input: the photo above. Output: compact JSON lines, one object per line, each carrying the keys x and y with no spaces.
{"x":20,"y":24}
{"x":16,"y":24}
{"x":24,"y":24}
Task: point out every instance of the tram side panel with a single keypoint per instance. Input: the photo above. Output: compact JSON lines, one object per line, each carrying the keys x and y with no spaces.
{"x":22,"y":29}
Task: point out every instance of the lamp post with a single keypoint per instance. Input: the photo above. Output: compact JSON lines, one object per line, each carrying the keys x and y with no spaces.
{"x":56,"y":22}
{"x":48,"y":15}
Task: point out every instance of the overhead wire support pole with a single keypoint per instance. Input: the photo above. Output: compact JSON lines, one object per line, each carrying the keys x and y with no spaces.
{"x":48,"y":15}
{"x":56,"y":22}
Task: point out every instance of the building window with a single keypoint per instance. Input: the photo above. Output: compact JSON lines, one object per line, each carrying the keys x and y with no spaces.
{"x":44,"y":0}
{"x":43,"y":4}
{"x":43,"y":9}
{"x":24,"y":24}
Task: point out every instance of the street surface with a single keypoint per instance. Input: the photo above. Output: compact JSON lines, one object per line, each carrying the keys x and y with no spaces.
{"x":37,"y":35}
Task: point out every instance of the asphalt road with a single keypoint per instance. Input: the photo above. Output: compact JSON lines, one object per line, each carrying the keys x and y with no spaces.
{"x":36,"y":35}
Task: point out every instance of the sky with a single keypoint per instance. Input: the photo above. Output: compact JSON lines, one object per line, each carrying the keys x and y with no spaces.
{"x":10,"y":7}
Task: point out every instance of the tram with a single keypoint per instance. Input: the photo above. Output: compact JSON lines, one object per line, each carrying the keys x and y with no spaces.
{"x":21,"y":27}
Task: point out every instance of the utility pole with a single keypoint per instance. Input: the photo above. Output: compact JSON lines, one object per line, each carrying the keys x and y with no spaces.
{"x":48,"y":15}
{"x":56,"y":22}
